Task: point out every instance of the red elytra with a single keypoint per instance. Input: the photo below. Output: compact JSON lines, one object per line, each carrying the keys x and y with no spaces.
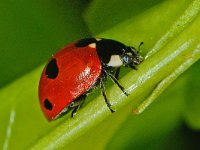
{"x":78,"y":68}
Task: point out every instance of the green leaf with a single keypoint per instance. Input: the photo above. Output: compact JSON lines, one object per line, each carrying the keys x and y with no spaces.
{"x":191,"y":94}
{"x":149,"y":74}
{"x":32,"y":30}
{"x":171,"y":38}
{"x":111,"y":13}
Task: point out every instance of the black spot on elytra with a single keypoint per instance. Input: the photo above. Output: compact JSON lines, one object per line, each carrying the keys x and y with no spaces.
{"x":47,"y":104}
{"x":52,"y":69}
{"x":85,"y":42}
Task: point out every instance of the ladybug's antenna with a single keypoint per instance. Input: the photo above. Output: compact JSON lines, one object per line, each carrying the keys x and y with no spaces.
{"x":140,"y":46}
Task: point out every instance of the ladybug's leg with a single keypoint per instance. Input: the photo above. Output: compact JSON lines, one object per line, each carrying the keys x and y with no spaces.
{"x":75,"y":105}
{"x":104,"y":94}
{"x":75,"y":110}
{"x":117,"y":73}
{"x":133,"y":67}
{"x":116,"y":82}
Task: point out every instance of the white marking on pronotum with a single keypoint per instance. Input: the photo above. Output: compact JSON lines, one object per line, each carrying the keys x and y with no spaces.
{"x":92,"y":45}
{"x":9,"y":129}
{"x":115,"y":61}
{"x":98,"y":39}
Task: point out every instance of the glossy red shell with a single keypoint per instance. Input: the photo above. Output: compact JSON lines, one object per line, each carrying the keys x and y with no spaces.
{"x":79,"y":68}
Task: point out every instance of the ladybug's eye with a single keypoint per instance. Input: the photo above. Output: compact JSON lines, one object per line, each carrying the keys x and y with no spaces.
{"x":47,"y":104}
{"x":52,"y":69}
{"x":127,"y":59}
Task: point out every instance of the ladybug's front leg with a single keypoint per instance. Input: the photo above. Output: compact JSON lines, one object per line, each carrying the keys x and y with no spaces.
{"x":132,"y":66}
{"x":117,"y":73}
{"x":116,"y":82}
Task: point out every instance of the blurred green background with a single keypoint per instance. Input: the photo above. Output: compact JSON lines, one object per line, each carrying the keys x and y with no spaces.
{"x":31,"y":31}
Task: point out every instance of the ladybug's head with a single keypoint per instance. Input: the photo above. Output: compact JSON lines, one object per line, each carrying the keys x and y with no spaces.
{"x":131,"y":56}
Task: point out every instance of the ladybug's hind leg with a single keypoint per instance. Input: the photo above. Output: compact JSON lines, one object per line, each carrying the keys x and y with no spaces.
{"x":75,"y":105}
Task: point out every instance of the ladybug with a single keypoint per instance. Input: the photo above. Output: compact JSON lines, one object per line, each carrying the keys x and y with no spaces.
{"x":78,"y":68}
